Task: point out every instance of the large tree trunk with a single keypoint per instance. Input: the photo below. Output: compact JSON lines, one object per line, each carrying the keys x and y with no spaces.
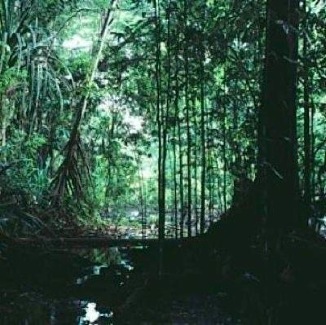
{"x":278,"y":137}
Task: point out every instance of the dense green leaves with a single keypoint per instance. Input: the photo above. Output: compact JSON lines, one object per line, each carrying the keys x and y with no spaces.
{"x":204,"y":60}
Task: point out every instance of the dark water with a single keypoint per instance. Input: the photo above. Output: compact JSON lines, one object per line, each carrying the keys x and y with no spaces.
{"x":75,"y":287}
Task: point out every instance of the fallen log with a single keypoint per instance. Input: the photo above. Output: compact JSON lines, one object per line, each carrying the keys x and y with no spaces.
{"x":98,"y":242}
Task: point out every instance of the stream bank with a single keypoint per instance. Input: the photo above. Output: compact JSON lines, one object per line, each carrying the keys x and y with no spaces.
{"x":103,"y":286}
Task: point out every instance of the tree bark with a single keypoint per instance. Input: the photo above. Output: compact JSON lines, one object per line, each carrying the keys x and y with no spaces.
{"x":278,"y":136}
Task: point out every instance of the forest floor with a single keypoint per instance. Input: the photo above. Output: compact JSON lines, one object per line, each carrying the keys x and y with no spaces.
{"x":180,"y":297}
{"x":195,"y":308}
{"x":222,"y":277}
{"x":198,"y":286}
{"x":185,"y":294}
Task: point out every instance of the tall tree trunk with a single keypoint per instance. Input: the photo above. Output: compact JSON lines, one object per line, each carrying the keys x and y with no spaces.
{"x":166,"y":116}
{"x":187,"y":108}
{"x":181,"y":180}
{"x":177,"y":137}
{"x":161,"y":144}
{"x":202,"y":142}
{"x":175,"y":183}
{"x":195,"y":164}
{"x":313,"y":153}
{"x":306,"y":105}
{"x":278,"y":143}
{"x":224,"y":154}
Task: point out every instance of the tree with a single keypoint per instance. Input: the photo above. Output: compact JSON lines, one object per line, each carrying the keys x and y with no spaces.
{"x":278,"y":168}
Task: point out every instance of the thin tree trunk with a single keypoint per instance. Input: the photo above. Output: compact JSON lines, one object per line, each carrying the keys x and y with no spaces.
{"x":224,"y":157}
{"x":142,"y":198}
{"x":104,"y":32}
{"x":177,"y":140}
{"x":181,"y":183}
{"x":202,"y":142}
{"x":161,"y":149}
{"x":72,"y":147}
{"x":307,"y":139}
{"x":166,"y":116}
{"x":313,"y":153}
{"x":175,"y":178}
{"x":195,"y":165}
{"x":187,"y":108}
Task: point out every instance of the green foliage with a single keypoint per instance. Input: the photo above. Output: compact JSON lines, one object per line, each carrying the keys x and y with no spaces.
{"x":15,"y":219}
{"x":208,"y":59}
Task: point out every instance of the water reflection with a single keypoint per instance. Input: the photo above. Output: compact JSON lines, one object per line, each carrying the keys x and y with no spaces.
{"x":92,"y":315}
{"x":86,"y":300}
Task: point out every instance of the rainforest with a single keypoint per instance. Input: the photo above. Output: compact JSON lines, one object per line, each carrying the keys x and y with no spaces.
{"x":162,"y":162}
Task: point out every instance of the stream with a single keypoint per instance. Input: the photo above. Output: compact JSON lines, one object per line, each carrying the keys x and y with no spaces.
{"x":63,"y":287}
{"x":101,"y":286}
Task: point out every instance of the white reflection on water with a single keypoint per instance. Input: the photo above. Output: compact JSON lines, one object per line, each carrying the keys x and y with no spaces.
{"x":92,"y":315}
